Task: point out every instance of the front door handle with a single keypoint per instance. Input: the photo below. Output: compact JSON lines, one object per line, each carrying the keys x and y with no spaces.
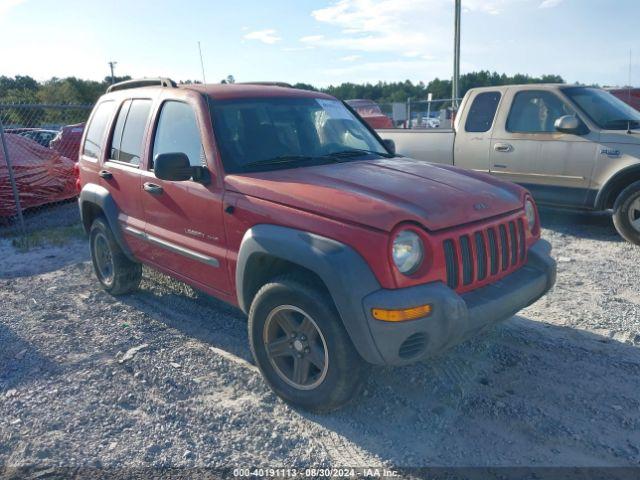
{"x":106,"y":174}
{"x":503,"y":147}
{"x":152,"y":188}
{"x":497,"y":165}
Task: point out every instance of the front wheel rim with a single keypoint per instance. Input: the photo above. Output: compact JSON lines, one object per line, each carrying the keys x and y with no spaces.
{"x":295,"y":347}
{"x":103,"y":258}
{"x":634,"y":214}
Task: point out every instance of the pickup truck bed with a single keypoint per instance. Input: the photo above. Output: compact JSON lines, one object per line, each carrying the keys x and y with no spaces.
{"x":434,"y":145}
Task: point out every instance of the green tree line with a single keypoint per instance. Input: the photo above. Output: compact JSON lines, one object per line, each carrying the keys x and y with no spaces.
{"x":75,"y":91}
{"x":385,"y":92}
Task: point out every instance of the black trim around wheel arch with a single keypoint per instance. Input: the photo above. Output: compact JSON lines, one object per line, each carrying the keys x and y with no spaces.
{"x":344,"y":272}
{"x":620,"y":178}
{"x":100,"y":196}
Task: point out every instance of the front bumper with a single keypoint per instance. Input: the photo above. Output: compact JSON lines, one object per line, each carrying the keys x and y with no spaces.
{"x":455,"y":318}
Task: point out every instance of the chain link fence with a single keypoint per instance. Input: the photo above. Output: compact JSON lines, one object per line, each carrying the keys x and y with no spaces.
{"x":420,"y":114}
{"x":39,"y":147}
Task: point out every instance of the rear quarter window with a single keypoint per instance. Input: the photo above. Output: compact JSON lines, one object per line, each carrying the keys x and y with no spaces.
{"x":127,"y":142}
{"x":96,"y":130}
{"x":482,"y":112}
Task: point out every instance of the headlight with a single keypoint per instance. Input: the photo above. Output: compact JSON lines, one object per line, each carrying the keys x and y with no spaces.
{"x":530,"y":211}
{"x":408,"y":252}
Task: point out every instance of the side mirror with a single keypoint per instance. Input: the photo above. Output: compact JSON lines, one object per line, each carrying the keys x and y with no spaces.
{"x":390,"y":145}
{"x":570,"y":124}
{"x":175,"y":167}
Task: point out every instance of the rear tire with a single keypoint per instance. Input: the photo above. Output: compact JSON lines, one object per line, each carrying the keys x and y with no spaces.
{"x":299,"y":343}
{"x":116,"y":273}
{"x":626,"y":213}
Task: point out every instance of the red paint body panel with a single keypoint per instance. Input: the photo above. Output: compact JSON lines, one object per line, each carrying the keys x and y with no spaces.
{"x":382,"y":193}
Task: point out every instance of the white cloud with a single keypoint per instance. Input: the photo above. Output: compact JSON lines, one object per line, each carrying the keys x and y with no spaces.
{"x":400,"y":27}
{"x":298,"y":49}
{"x":350,"y":58}
{"x":6,"y":5}
{"x":312,"y":38}
{"x":268,"y":36}
{"x":550,"y":3}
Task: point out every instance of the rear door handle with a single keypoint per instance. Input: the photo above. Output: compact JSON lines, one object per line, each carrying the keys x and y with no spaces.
{"x":497,"y":165}
{"x":152,"y":188}
{"x":503,"y":147}
{"x":106,"y":174}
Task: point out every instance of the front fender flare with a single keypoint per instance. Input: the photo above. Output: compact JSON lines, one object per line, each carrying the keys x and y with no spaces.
{"x":344,"y":272}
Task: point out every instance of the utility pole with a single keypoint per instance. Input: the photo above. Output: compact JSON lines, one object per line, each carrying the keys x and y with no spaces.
{"x":204,"y":80}
{"x":112,"y":66}
{"x":456,"y":57}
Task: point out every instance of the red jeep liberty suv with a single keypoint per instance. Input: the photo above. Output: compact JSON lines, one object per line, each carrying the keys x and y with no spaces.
{"x":285,"y":203}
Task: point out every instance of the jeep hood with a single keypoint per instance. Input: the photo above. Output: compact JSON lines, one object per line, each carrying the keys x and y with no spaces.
{"x":382,"y":193}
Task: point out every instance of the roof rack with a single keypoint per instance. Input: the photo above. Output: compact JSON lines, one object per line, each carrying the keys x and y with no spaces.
{"x":272,"y":84}
{"x":142,"y":82}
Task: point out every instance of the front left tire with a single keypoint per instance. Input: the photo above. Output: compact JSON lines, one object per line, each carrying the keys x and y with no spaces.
{"x":302,"y":348}
{"x":626,"y":213}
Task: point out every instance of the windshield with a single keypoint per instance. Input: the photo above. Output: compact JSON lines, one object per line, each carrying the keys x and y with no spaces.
{"x":605,"y":110}
{"x":267,"y":133}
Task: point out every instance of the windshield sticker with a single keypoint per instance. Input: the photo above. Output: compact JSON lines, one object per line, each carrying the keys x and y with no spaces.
{"x":334,"y":109}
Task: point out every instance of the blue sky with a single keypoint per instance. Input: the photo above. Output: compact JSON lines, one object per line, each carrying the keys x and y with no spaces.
{"x":319,"y":42}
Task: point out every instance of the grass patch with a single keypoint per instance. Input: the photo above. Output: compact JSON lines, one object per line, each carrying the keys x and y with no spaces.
{"x":56,"y":236}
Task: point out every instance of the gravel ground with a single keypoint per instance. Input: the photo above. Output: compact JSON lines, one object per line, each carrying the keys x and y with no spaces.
{"x":164,"y":377}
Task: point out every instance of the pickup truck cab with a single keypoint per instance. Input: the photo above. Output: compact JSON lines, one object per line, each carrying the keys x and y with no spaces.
{"x":284,"y":203}
{"x":570,"y":146}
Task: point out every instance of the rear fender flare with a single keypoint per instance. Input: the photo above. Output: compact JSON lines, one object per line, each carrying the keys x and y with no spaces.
{"x":100,"y":196}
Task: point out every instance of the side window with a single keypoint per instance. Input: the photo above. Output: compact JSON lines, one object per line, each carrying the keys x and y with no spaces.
{"x":128,"y":134}
{"x":178,"y":132}
{"x":96,"y":128}
{"x":536,"y":112}
{"x":482,"y":111}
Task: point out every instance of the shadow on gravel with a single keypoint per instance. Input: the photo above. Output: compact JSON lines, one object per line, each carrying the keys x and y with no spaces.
{"x":20,"y":361}
{"x":192,"y":313}
{"x":527,"y":393}
{"x":595,"y":226}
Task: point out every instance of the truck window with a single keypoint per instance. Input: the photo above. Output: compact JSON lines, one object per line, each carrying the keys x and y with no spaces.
{"x":96,"y":128}
{"x":178,"y":132}
{"x":128,"y":134}
{"x":536,"y":112}
{"x":482,"y":112}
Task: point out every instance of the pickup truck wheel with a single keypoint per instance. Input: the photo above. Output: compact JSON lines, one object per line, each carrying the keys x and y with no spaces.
{"x":626,"y":213}
{"x":302,"y":348}
{"x":116,"y":273}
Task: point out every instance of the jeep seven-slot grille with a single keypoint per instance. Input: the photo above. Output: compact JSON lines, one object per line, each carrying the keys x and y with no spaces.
{"x":485,"y":253}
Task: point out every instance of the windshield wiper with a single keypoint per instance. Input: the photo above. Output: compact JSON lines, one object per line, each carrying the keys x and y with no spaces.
{"x":282,"y":159}
{"x":357,"y":152}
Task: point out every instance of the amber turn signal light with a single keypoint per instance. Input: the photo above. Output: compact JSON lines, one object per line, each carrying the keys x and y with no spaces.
{"x":401,"y":315}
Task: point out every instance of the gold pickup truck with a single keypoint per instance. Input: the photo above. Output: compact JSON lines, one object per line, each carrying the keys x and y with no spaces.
{"x":571,"y":146}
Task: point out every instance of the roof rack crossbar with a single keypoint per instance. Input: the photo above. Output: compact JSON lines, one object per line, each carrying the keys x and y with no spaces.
{"x":142,"y":82}
{"x":271,"y":84}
